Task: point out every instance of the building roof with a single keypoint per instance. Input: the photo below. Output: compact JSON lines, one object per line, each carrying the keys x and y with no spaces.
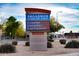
{"x":36,"y":10}
{"x":72,"y":34}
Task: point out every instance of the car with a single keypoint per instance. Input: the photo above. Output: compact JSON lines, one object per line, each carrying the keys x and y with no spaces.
{"x":56,"y":36}
{"x":59,"y":37}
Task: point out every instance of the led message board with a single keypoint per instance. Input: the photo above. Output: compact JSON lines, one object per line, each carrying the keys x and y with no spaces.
{"x":37,"y":19}
{"x":38,"y":25}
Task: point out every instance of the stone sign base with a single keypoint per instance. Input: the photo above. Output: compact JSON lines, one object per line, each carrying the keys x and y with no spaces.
{"x":38,"y":41}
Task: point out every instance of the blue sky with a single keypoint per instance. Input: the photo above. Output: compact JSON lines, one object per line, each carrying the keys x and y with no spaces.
{"x":65,"y":13}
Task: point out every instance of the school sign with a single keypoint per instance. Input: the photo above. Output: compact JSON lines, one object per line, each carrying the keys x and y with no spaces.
{"x":38,"y":24}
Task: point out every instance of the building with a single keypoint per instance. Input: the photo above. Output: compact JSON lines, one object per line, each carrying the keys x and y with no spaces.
{"x":71,"y":35}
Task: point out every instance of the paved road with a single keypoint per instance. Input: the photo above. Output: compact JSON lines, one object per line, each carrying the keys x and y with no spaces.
{"x":10,"y":41}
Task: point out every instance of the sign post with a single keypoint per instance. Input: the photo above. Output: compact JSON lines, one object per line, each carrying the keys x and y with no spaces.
{"x":38,"y":24}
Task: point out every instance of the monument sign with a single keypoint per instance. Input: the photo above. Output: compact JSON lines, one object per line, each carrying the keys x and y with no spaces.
{"x":37,"y":24}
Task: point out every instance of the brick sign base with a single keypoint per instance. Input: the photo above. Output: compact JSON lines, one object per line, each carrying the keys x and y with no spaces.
{"x":38,"y":41}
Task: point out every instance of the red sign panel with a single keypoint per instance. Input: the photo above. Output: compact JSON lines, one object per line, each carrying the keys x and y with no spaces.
{"x":37,"y":33}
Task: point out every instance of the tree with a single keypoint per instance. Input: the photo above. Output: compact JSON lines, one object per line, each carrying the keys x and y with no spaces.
{"x":20,"y":31}
{"x":71,"y":34}
{"x":1,"y":27}
{"x":11,"y":26}
{"x":55,"y":26}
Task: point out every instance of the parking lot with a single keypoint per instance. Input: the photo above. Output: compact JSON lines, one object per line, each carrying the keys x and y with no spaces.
{"x":58,"y":49}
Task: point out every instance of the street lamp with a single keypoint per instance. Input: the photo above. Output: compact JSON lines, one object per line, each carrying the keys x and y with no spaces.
{"x":57,"y":14}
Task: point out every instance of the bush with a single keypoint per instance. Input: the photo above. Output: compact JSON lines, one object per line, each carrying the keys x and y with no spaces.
{"x":72,"y":44}
{"x":7,"y":48}
{"x":14,"y":43}
{"x":51,"y":40}
{"x":62,"y":41}
{"x":49,"y":45}
{"x":27,"y":44}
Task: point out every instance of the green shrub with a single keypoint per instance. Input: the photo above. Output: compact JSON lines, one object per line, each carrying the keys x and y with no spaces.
{"x":27,"y":44}
{"x":72,"y":44}
{"x":51,"y":40}
{"x":49,"y":45}
{"x":7,"y":48}
{"x":14,"y":43}
{"x":62,"y":41}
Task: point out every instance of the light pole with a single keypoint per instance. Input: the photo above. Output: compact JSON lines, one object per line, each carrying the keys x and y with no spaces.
{"x":57,"y":14}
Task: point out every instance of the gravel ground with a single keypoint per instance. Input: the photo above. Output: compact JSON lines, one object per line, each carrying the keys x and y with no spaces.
{"x":57,"y":49}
